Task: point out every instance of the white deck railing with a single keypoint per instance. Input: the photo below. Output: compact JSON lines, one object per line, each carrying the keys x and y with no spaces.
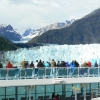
{"x":42,"y":73}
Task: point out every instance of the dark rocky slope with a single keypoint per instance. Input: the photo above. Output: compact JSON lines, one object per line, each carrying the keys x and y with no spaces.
{"x":83,"y":31}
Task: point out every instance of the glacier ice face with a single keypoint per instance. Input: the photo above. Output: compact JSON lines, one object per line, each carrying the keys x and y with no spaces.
{"x":58,"y":52}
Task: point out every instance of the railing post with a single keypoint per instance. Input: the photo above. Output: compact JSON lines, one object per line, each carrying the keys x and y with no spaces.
{"x":7,"y":74}
{"x":20,"y":73}
{"x":75,"y":95}
{"x":45,"y":72}
{"x":67,"y":71}
{"x":76,"y":90}
{"x":88,"y":71}
{"x":78,"y":72}
{"x":55,"y":72}
{"x":29,"y":92}
{"x":84,"y":91}
{"x":64,"y":89}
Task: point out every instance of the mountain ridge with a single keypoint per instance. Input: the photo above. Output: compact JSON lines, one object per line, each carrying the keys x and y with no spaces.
{"x":82,"y":31}
{"x":6,"y":45}
{"x":31,"y":33}
{"x":8,"y":32}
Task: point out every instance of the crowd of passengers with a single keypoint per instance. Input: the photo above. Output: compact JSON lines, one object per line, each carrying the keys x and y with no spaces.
{"x":53,"y":63}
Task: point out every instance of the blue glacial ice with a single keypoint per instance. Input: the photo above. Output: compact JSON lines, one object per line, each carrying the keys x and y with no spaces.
{"x":58,"y":52}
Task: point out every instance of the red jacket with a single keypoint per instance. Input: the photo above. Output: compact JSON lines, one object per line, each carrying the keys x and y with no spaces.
{"x":89,"y":64}
{"x":9,"y":65}
{"x":56,"y":98}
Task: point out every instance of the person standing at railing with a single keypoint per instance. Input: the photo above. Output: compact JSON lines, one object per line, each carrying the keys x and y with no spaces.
{"x":85,"y":64}
{"x":47,"y":64}
{"x":31,"y":64}
{"x":58,"y":64}
{"x":76,"y":63}
{"x":24,"y":63}
{"x":67,"y":64}
{"x":40,"y":64}
{"x":63,"y":64}
{"x":85,"y":69}
{"x":96,"y":64}
{"x":53,"y":65}
{"x":36,"y":66}
{"x":89,"y":64}
{"x":81,"y":62}
{"x":9,"y":65}
{"x":72,"y":65}
{"x":1,"y":66}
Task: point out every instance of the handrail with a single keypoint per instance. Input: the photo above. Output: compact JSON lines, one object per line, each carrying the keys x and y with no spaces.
{"x":50,"y":72}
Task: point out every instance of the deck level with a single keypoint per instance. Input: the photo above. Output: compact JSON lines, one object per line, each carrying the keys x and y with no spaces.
{"x":48,"y":80}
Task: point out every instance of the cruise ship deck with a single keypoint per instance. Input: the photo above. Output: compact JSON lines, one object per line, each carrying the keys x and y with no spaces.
{"x":39,"y":84}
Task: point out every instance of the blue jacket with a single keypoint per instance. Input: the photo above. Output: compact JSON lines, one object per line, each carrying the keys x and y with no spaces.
{"x":67,"y":64}
{"x":47,"y":64}
{"x":72,"y":64}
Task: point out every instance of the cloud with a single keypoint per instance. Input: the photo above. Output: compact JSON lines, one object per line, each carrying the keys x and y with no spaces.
{"x":20,"y":1}
{"x":39,"y":2}
{"x":23,"y":14}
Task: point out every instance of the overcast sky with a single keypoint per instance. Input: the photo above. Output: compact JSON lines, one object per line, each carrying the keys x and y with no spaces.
{"x":23,"y":14}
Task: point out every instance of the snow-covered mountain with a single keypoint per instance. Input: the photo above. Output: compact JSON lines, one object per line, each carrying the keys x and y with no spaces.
{"x":27,"y":32}
{"x":9,"y":32}
{"x":30,"y":33}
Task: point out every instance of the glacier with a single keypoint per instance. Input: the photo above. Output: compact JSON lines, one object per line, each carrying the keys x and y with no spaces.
{"x":88,"y":52}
